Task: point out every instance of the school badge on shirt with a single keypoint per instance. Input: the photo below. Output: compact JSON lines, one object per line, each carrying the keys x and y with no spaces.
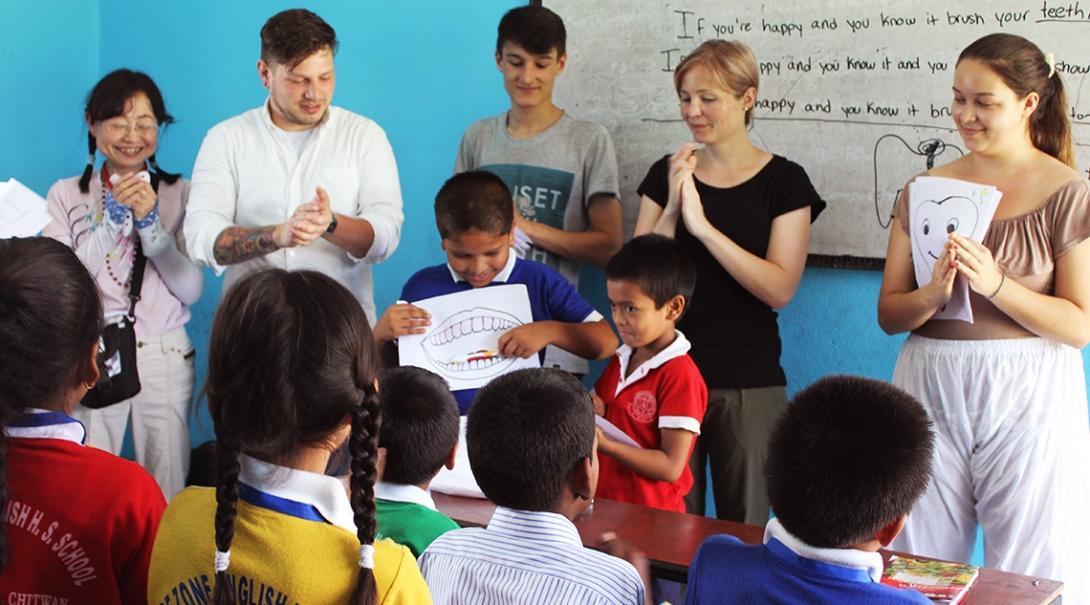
{"x":643,"y":406}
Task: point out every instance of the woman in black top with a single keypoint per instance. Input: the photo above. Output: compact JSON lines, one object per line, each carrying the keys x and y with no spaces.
{"x":744,"y":215}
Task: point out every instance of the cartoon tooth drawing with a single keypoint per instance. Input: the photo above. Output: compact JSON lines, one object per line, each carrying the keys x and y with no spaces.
{"x":938,"y":207}
{"x":932,"y":223}
{"x":464,"y":347}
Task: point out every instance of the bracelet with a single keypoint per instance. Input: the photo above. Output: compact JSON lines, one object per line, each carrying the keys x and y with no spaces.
{"x":149,"y":219}
{"x":1002,"y":281}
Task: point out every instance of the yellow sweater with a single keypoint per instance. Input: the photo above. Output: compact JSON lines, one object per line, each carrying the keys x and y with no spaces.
{"x":276,"y":558}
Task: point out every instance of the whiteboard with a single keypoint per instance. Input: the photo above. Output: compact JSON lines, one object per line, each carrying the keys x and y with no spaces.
{"x":840,"y":82}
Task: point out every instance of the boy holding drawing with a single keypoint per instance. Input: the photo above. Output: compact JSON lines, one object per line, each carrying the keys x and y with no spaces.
{"x":474,"y":215}
{"x":651,"y":390}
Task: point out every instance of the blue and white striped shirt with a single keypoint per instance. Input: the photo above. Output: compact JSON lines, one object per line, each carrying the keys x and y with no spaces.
{"x":526,"y":557}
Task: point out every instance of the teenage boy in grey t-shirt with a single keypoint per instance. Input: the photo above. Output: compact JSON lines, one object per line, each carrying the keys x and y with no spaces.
{"x":562,"y":171}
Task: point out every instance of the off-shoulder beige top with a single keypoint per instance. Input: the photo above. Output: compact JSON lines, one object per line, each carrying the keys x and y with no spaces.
{"x":1026,"y":248}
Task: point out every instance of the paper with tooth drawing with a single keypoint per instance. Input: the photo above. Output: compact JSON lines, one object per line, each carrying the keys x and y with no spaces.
{"x":23,"y":213}
{"x":940,"y":206}
{"x":462,"y":343}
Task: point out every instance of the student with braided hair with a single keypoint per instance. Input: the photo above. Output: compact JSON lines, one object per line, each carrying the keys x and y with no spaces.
{"x":78,"y":522}
{"x":291,"y":378}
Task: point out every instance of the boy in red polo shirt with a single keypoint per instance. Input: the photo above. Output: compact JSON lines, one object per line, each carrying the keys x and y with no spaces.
{"x":651,"y":389}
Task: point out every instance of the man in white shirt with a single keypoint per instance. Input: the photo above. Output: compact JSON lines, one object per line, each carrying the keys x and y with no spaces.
{"x":296,"y":183}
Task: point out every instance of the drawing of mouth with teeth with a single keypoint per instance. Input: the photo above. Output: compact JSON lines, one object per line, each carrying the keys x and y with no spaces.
{"x":464,"y":347}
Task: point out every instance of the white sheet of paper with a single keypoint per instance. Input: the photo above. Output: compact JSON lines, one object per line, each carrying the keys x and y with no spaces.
{"x":23,"y":213}
{"x":936,"y":207}
{"x":463,"y":341}
{"x":460,"y":480}
{"x":615,"y":433}
{"x":522,"y":242}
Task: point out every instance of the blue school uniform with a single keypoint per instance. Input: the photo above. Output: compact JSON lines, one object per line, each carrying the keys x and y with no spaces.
{"x":551,"y":297}
{"x":786,"y":571}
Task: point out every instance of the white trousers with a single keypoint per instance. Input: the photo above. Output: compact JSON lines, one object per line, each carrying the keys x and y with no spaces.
{"x":1012,"y":453}
{"x":159,"y":412}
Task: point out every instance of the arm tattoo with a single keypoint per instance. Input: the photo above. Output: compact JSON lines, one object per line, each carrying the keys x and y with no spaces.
{"x":238,"y":244}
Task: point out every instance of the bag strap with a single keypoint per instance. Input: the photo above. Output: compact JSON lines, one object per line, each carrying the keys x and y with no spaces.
{"x":136,"y":279}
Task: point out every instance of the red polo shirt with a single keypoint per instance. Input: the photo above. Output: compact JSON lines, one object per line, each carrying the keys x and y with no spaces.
{"x":665,"y":392}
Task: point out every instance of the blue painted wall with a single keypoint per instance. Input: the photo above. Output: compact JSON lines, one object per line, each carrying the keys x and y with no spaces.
{"x":48,"y":62}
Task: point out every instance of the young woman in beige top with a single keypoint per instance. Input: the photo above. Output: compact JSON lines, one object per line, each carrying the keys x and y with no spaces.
{"x":1007,"y":393}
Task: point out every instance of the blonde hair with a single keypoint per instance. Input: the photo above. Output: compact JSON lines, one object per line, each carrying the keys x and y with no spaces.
{"x":733,"y":65}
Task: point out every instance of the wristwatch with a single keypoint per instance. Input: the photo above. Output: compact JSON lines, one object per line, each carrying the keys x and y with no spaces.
{"x":332,"y":225}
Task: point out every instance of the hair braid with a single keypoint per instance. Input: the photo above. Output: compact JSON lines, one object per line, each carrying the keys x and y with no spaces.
{"x":227,"y":471}
{"x":89,"y":169}
{"x":167,"y":177}
{"x":363,"y":447}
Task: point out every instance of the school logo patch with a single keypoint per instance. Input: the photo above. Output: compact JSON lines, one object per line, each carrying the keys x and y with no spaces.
{"x":643,"y":406}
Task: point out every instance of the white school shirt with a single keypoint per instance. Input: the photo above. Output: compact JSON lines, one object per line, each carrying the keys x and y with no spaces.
{"x":524,"y":557}
{"x":249,"y":174}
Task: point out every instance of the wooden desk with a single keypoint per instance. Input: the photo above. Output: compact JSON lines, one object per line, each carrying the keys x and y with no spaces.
{"x":669,"y":540}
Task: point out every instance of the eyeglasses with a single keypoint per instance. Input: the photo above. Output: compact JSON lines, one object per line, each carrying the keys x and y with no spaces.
{"x":120,"y":128}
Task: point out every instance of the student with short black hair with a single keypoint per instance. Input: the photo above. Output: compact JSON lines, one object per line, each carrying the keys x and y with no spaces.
{"x":845,"y":464}
{"x":651,"y":389}
{"x":473,"y":212}
{"x":78,"y":522}
{"x":562,"y":171}
{"x":419,"y":436}
{"x":290,"y":379}
{"x":532,"y":445}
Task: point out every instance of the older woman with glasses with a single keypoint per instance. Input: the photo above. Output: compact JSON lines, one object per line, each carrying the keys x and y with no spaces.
{"x":125,"y":215}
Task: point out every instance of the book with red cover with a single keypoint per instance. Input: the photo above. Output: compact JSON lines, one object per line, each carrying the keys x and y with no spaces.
{"x":940,"y":581}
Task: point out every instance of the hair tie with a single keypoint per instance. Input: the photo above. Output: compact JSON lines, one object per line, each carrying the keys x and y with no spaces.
{"x":1050,"y":60}
{"x":367,"y":556}
{"x":90,"y":159}
{"x":223,"y":560}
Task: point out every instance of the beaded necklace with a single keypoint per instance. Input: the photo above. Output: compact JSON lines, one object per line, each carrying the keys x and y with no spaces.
{"x":115,"y":255}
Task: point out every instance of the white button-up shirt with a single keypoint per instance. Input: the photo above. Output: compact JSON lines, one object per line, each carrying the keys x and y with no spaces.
{"x":249,"y":174}
{"x":526,"y":557}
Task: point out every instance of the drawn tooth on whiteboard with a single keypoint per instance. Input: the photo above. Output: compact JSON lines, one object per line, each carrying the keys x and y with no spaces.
{"x":933,"y":222}
{"x":895,"y":164}
{"x":464,"y":346}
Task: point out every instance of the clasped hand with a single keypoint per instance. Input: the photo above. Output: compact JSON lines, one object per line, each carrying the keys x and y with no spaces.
{"x":963,"y":255}
{"x":975,"y":261}
{"x":307,"y":223}
{"x":683,"y":196}
{"x":136,"y":193}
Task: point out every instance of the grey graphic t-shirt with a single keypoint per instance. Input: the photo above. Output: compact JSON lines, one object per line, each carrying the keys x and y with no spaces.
{"x":552,"y":175}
